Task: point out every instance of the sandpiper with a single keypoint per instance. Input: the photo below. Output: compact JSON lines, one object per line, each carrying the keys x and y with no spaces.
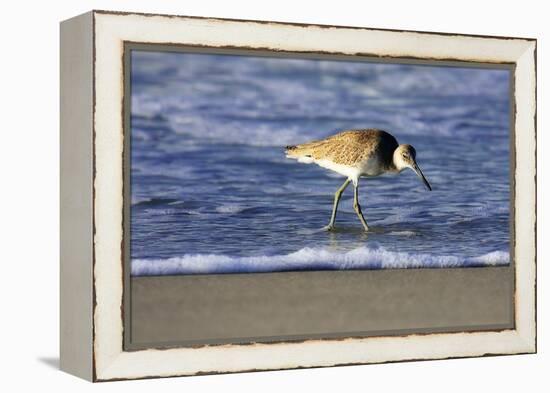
{"x":355,"y":154}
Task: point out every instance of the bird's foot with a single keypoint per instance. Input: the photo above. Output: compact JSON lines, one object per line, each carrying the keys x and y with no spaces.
{"x":329,"y":228}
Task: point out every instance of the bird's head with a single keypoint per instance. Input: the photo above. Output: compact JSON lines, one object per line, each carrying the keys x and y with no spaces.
{"x":405,"y":157}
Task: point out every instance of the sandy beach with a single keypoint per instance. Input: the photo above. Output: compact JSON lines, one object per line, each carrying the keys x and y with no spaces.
{"x":198,"y":309}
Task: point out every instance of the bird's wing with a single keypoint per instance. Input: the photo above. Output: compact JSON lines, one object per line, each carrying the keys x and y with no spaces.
{"x":347,"y":147}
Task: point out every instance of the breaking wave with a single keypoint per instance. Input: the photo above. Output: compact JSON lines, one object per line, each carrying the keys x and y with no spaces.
{"x":361,"y":258}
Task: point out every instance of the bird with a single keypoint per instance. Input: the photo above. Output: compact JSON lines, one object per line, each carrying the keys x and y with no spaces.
{"x":355,"y":154}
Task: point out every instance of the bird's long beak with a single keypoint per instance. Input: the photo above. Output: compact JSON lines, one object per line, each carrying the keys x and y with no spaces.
{"x":417,"y":170}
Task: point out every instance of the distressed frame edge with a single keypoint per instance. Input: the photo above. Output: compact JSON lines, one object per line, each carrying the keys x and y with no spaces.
{"x":76,"y":207}
{"x":526,"y":193}
{"x":524,"y":336}
{"x":305,"y":25}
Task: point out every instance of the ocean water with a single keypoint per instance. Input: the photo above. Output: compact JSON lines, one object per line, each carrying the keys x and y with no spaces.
{"x":212,"y":191}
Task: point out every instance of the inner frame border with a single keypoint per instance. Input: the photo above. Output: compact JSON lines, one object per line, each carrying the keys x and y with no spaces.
{"x":129,"y":46}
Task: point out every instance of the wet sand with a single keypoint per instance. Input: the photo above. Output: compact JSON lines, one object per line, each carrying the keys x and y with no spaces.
{"x":201,"y":309}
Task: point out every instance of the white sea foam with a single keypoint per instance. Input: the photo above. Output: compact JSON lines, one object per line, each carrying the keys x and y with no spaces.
{"x":137,"y":201}
{"x":402,"y":233}
{"x":230,"y":208}
{"x":309,"y":259}
{"x":493,"y":258}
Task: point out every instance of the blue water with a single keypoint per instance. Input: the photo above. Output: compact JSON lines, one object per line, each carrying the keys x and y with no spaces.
{"x":212,"y":191}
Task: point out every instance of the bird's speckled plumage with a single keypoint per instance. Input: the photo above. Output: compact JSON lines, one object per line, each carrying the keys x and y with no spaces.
{"x":349,"y":148}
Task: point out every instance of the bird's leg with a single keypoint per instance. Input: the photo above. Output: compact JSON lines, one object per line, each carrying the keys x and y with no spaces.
{"x":357,"y":207}
{"x":337,"y":197}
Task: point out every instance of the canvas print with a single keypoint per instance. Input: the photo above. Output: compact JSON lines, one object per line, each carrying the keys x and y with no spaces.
{"x":253,"y":164}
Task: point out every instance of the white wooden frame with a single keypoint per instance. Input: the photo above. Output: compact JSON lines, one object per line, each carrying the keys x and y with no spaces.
{"x":92,"y":162}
